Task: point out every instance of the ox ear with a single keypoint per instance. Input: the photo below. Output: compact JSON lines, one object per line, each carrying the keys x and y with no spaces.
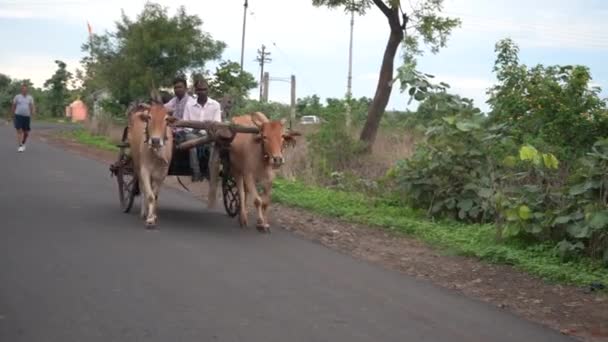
{"x":144,"y":116}
{"x":290,"y":139}
{"x":293,"y":133}
{"x":142,"y":106}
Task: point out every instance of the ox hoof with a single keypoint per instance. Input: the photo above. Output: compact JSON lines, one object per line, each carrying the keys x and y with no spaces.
{"x":263,"y":228}
{"x":150,"y":223}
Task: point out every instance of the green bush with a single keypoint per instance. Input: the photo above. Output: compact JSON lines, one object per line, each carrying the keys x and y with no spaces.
{"x":453,"y":172}
{"x":473,"y":173}
{"x":332,"y":148}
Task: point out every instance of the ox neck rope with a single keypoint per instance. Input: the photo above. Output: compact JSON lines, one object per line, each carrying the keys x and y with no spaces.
{"x":265,"y":153}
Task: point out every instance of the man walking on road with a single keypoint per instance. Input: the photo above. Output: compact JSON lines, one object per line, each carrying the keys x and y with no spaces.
{"x":23,"y":109}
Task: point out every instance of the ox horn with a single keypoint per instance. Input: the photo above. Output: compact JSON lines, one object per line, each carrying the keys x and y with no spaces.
{"x":155,"y":96}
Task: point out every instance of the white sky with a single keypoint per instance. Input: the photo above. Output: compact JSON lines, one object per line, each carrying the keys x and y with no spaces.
{"x":312,"y":43}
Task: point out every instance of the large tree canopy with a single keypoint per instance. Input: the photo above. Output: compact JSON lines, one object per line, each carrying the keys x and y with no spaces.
{"x":57,"y":86}
{"x":230,"y":80}
{"x":148,"y":52}
{"x":412,"y":26}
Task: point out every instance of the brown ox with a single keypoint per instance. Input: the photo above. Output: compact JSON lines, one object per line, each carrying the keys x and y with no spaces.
{"x":254,"y":159}
{"x":151,"y":143}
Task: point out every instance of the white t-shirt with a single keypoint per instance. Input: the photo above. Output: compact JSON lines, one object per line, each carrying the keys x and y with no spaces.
{"x":211,"y":110}
{"x":22,"y":104}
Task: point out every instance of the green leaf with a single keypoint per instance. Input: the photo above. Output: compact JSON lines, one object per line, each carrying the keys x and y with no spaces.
{"x":419,"y":96}
{"x":578,"y":230}
{"x":485,"y":192}
{"x":509,"y":161}
{"x":449,"y":119}
{"x":550,"y":161}
{"x":466,"y":126}
{"x":562,"y":219}
{"x":579,"y":189}
{"x":466,"y":204}
{"x":524,"y":212}
{"x":511,"y":230}
{"x":535,"y":229}
{"x":599,"y":220}
{"x":512,"y":215}
{"x":529,"y":153}
{"x":462,"y":214}
{"x":437,"y":207}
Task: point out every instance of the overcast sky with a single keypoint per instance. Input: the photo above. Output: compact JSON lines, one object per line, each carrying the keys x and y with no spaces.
{"x":312,"y":43}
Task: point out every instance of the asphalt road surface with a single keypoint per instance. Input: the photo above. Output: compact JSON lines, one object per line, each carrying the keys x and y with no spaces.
{"x":73,"y":267}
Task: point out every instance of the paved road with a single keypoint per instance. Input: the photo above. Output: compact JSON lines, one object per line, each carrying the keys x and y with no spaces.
{"x":74,"y":268}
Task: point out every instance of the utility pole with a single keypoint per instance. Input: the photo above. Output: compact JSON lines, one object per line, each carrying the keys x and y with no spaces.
{"x":349,"y":82}
{"x":293,"y":100}
{"x":265,"y":85}
{"x":262,"y":59}
{"x":243,"y":36}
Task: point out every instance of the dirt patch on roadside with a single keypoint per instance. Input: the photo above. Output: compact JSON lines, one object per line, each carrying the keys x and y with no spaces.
{"x":570,"y":310}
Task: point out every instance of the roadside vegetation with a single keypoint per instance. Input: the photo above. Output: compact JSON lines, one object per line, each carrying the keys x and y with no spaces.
{"x":524,"y":184}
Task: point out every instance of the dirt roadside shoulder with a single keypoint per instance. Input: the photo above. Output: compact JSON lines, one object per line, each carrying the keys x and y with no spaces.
{"x":570,"y":310}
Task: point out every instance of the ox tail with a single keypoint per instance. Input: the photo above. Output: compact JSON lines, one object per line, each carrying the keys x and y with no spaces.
{"x":182,"y":184}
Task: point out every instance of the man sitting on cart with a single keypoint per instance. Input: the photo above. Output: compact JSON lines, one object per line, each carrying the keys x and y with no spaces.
{"x":203,"y":108}
{"x":177,"y":104}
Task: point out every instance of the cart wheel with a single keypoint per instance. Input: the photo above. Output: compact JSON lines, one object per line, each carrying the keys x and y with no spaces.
{"x":230,"y":192}
{"x":128,"y":186}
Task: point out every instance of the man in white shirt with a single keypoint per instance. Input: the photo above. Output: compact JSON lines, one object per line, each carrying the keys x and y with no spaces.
{"x":203,"y":108}
{"x":22,"y":109}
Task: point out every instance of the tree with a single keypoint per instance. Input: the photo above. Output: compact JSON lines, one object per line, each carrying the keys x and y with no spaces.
{"x":11,"y":87}
{"x":438,"y":105}
{"x":230,"y":80}
{"x":148,"y":52}
{"x":309,"y":105}
{"x":553,"y":105}
{"x":417,"y":24}
{"x":57,"y":86}
{"x":5,"y":95}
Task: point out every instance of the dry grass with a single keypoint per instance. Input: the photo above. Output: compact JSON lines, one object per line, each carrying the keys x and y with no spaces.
{"x":297,"y":159}
{"x":391,"y":145}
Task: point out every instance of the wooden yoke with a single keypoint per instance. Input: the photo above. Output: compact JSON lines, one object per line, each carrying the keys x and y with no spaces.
{"x":220,"y":132}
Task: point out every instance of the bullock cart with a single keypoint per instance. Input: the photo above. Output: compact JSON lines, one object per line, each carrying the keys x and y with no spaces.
{"x":219,"y":133}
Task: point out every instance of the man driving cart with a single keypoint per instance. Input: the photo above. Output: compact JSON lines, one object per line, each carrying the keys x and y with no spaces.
{"x":201,"y":108}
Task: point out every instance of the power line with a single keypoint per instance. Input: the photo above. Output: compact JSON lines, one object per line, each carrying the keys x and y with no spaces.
{"x":254,"y":22}
{"x":294,"y":70}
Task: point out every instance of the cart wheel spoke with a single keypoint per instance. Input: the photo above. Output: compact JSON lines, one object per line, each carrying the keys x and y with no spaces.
{"x":230,"y":193}
{"x":127,"y":182}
